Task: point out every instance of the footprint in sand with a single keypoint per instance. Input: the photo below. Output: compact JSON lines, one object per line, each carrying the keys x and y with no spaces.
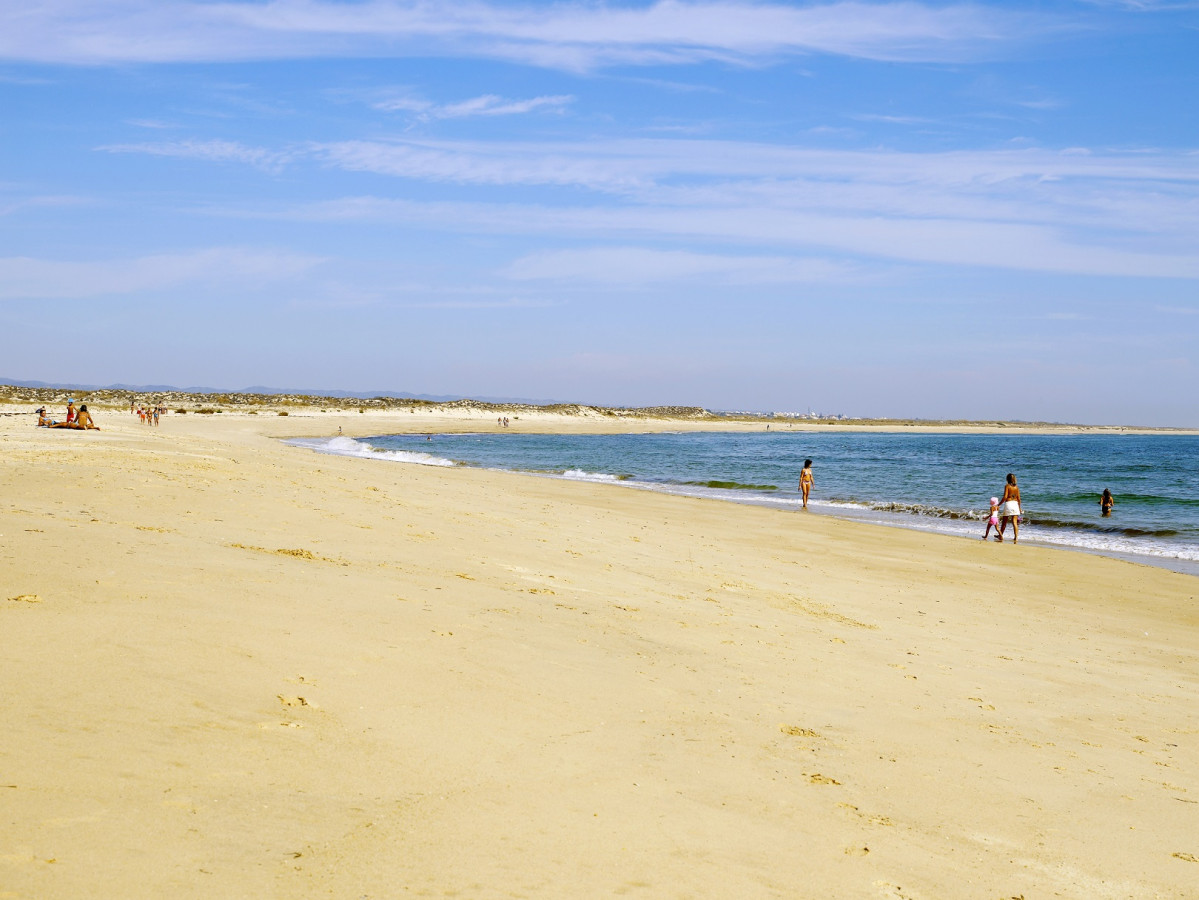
{"x":298,"y":552}
{"x":894,"y":891}
{"x":796,"y":731}
{"x":873,"y":819}
{"x":817,"y":778}
{"x":292,"y":702}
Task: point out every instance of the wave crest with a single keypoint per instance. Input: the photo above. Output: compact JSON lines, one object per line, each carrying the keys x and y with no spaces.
{"x":347,"y":446}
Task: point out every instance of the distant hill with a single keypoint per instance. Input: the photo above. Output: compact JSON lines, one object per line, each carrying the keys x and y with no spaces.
{"x":259,"y":389}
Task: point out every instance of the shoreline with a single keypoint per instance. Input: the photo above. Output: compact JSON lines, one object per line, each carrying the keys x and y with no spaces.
{"x":848,"y":511}
{"x":240,"y":668}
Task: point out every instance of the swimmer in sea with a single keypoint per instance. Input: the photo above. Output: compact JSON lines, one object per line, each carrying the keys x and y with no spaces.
{"x":1106,"y":502}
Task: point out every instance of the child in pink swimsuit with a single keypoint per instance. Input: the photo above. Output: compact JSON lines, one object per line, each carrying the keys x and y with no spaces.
{"x":992,"y":522}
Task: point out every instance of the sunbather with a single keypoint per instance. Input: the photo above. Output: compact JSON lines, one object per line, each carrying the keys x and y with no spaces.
{"x":82,"y":422}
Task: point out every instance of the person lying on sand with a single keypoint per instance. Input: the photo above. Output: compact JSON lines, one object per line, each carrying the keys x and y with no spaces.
{"x":83,"y":421}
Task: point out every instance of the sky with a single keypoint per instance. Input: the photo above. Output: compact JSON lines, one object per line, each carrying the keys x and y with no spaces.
{"x":939,"y":210}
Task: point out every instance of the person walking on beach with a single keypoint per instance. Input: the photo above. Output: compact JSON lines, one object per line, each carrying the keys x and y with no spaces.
{"x":1010,"y":509}
{"x":806,"y":481}
{"x":993,"y":521}
{"x":1106,"y":502}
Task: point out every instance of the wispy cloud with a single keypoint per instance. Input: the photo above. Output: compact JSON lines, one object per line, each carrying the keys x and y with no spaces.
{"x":8,"y":206}
{"x":509,"y":303}
{"x":1064,"y":211}
{"x":623,"y":165}
{"x":1044,"y":103}
{"x":209,"y":151}
{"x":486,"y":105}
{"x":639,"y":265}
{"x":957,"y":242}
{"x":26,"y":278}
{"x":995,"y":90}
{"x":889,"y":120}
{"x":153,"y":124}
{"x":24,"y":81}
{"x":570,"y":35}
{"x":1148,"y":5}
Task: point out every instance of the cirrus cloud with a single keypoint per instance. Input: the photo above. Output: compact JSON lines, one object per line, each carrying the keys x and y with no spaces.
{"x":486,"y":105}
{"x":209,"y":151}
{"x":573,"y":35}
{"x":23,"y":278}
{"x":640,"y":265}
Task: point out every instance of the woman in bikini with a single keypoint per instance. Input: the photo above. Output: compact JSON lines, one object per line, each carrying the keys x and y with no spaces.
{"x":84,"y":420}
{"x":1106,"y":503}
{"x":805,"y":481}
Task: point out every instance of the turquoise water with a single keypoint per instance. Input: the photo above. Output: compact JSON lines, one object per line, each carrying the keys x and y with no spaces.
{"x":932,"y":482}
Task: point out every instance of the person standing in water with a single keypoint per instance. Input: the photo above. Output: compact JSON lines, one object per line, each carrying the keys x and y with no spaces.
{"x":1106,"y":502}
{"x":806,"y":481}
{"x":1010,"y":509}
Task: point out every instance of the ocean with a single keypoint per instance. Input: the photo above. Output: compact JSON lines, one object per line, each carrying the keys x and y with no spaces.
{"x":931,"y":482}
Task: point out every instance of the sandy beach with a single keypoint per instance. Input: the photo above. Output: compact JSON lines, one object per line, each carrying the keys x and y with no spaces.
{"x":237,"y":668}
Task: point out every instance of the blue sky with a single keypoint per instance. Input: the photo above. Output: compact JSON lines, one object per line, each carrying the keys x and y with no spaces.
{"x":912,"y":209}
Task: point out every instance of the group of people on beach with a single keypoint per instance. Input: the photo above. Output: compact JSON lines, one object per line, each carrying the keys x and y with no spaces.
{"x":502,"y":421}
{"x":1004,"y":509}
{"x":147,"y":415}
{"x":79,"y":419}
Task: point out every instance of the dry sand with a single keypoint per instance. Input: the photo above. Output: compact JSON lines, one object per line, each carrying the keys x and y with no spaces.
{"x":234,"y":668}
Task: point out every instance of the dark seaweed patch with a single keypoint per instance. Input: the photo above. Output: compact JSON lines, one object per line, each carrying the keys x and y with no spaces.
{"x":733,"y":485}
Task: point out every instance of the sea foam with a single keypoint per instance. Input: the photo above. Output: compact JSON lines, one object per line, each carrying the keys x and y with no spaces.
{"x":347,"y":446}
{"x":580,"y":475}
